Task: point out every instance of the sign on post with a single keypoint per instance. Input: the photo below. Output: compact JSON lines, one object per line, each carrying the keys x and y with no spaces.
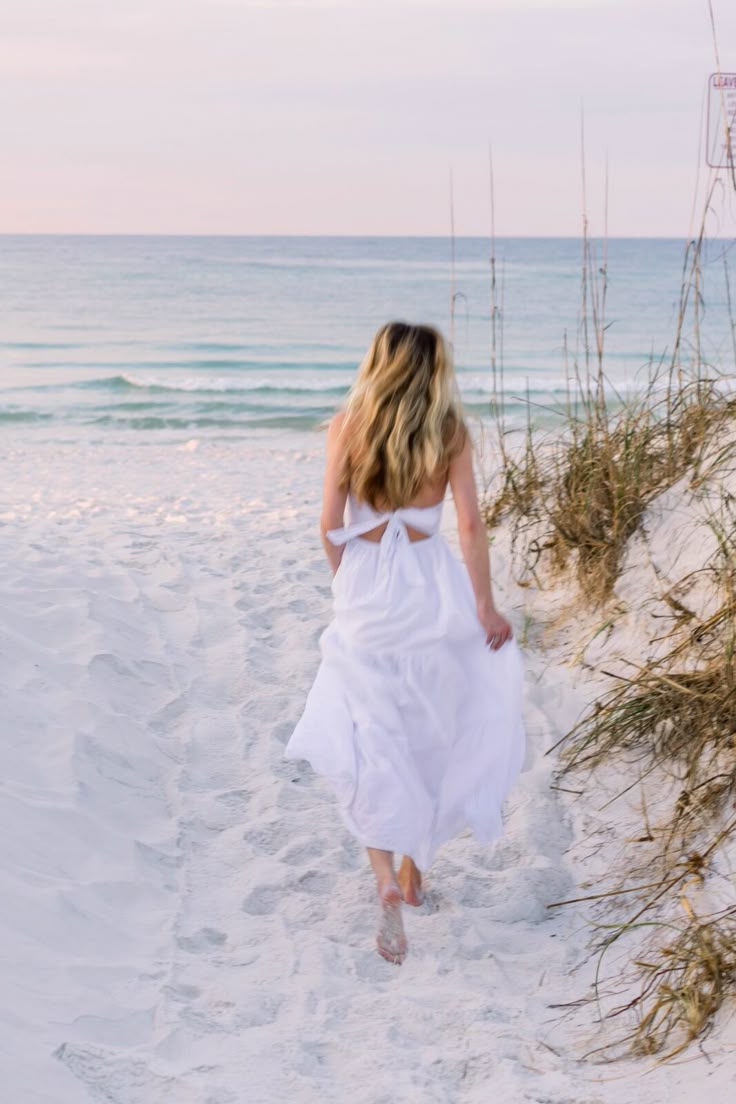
{"x":721,"y":140}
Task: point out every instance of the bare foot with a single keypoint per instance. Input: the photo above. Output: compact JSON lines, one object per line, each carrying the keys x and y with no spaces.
{"x":410,"y":881}
{"x":391,"y":939}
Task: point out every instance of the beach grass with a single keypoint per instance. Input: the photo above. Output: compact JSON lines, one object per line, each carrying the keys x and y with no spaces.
{"x":669,"y":728}
{"x":575,"y":497}
{"x":578,"y":493}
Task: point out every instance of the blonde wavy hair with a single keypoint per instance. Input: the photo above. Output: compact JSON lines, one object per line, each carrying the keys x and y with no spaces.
{"x":403,"y":416}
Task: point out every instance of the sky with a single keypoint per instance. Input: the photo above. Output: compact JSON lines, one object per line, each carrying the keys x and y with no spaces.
{"x":354,"y":116}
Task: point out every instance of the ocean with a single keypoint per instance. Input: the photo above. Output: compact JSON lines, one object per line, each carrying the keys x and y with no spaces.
{"x":137,"y":339}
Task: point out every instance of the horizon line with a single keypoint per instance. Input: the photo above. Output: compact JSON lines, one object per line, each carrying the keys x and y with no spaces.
{"x":373,"y":237}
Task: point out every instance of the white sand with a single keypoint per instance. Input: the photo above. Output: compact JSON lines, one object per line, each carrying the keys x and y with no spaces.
{"x":184,"y":919}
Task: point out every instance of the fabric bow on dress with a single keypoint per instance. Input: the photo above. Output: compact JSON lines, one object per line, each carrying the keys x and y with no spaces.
{"x":395,"y":543}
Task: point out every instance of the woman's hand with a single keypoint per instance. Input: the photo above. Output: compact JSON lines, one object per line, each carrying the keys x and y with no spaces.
{"x":496,"y":627}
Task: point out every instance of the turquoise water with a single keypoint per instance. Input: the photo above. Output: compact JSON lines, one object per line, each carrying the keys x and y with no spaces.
{"x":139,"y":338}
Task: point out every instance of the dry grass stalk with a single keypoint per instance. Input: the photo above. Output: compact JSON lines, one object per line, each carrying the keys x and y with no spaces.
{"x":678,"y":715}
{"x":688,"y":974}
{"x":686,"y":982}
{"x":584,"y":493}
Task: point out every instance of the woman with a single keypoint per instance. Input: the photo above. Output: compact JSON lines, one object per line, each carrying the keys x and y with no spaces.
{"x":415,"y":713}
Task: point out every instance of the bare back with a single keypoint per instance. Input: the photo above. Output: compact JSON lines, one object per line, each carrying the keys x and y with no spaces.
{"x":459,"y":476}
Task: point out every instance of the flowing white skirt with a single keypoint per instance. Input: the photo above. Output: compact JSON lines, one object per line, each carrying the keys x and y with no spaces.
{"x":412,"y":718}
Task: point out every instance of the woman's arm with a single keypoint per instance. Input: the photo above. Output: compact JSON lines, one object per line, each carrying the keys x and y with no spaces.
{"x":474,"y":545}
{"x":333,"y":496}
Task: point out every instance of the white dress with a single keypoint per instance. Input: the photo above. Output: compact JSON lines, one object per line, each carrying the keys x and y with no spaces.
{"x":412,"y":718}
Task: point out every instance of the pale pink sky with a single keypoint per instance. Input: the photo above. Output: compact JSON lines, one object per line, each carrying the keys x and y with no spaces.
{"x":345,"y":117}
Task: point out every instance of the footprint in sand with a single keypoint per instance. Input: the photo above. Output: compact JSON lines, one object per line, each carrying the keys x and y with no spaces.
{"x":316,"y":881}
{"x":263,"y":901}
{"x":304,"y":852}
{"x":108,"y":1075}
{"x":235,"y":801}
{"x":477,"y":892}
{"x":294,"y":797}
{"x":201,"y":941}
{"x":304,"y":911}
{"x":264,"y":838}
{"x":181,"y":993}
